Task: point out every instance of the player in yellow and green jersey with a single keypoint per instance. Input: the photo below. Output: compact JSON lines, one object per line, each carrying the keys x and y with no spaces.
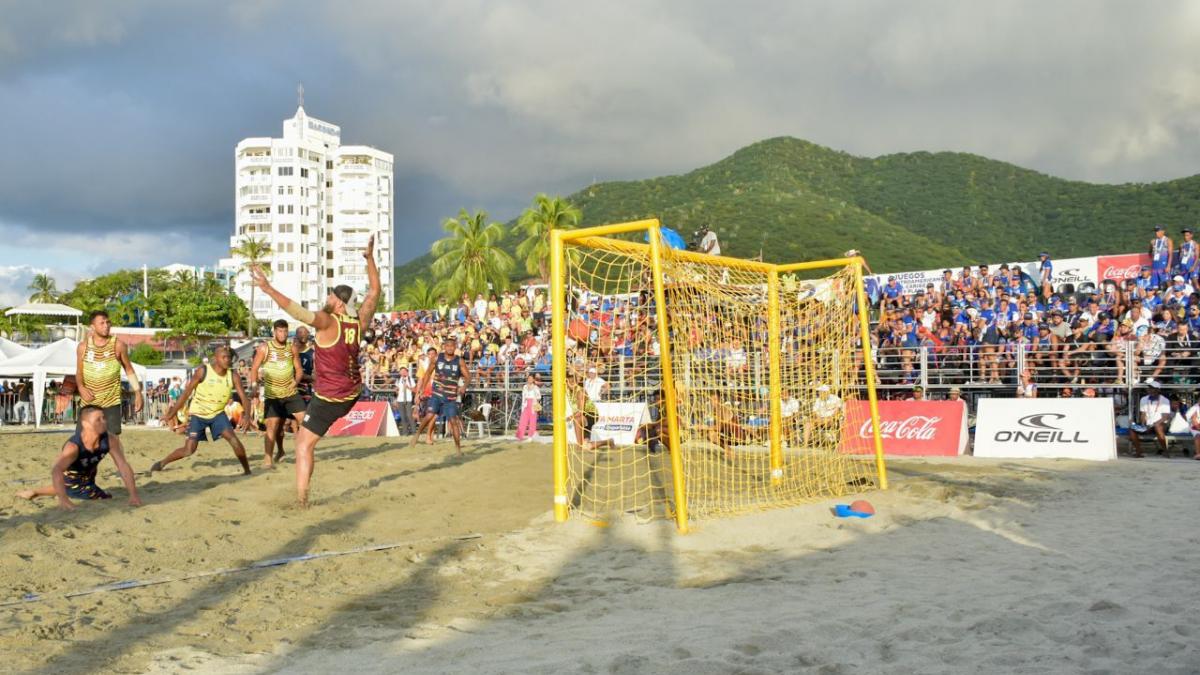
{"x":99,"y":360}
{"x":209,"y":390}
{"x":279,"y":360}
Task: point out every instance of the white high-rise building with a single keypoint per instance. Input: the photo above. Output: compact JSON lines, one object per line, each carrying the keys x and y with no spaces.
{"x":315,"y":202}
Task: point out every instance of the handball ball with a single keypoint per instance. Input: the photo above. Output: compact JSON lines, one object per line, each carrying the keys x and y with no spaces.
{"x":862,"y":506}
{"x":369,"y":335}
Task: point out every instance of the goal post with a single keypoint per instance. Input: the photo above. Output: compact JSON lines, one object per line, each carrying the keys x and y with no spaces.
{"x":669,"y":374}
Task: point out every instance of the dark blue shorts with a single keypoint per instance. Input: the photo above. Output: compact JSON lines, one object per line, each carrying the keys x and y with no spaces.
{"x":83,"y":486}
{"x":443,"y":407}
{"x":197,"y":426}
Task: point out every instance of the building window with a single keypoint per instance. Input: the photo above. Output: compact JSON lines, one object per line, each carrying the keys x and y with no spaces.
{"x":329,"y":274}
{"x":329,"y":164}
{"x":291,"y":209}
{"x":279,"y":208}
{"x":281,"y":189}
{"x":303,"y":229}
{"x":329,"y":219}
{"x":285,"y":171}
{"x":303,"y":173}
{"x":289,"y":190}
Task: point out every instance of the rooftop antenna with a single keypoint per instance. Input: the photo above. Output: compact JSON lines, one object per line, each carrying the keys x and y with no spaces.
{"x":300,"y":94}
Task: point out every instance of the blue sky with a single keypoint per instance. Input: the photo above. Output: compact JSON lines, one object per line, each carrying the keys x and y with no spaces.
{"x":122,"y":115}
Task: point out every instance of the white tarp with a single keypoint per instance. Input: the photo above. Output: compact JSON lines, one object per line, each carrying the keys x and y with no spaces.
{"x":1057,"y":428}
{"x":10,"y":349}
{"x":55,"y":359}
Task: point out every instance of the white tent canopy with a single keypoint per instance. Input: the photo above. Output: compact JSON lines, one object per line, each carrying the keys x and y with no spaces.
{"x":44,"y":309}
{"x":10,"y":349}
{"x":57,"y":358}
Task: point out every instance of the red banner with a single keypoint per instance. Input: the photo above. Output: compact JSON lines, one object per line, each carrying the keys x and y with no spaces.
{"x":908,"y":428}
{"x":366,"y":418}
{"x":1118,"y":268}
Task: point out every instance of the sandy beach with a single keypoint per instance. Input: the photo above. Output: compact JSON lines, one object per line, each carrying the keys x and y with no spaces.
{"x":970,"y":565}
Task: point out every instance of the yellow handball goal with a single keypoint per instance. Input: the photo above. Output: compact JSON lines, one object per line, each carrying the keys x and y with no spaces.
{"x":688,"y":386}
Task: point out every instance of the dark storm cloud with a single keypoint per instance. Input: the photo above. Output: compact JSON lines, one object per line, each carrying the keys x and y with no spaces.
{"x":122,"y":116}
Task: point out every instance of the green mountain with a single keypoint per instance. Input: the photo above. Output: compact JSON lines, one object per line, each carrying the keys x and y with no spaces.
{"x":791,"y":200}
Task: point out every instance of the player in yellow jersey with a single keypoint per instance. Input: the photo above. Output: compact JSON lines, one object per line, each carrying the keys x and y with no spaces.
{"x":209,"y":390}
{"x":279,"y":360}
{"x":99,"y":360}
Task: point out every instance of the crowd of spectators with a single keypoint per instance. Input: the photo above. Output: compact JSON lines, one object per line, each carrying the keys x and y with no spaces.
{"x":979,"y":323}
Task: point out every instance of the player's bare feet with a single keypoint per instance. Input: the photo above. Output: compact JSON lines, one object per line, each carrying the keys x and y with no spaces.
{"x":26,"y":494}
{"x":279,"y":455}
{"x":157,"y":466}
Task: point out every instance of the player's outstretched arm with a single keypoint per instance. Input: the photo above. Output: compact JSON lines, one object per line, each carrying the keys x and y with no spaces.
{"x":69,"y":452}
{"x":134,"y":383}
{"x":366,"y":310}
{"x":247,"y":409}
{"x":85,"y":394}
{"x":197,"y":377}
{"x":318,"y":320}
{"x":126,"y":472}
{"x":260,"y":355}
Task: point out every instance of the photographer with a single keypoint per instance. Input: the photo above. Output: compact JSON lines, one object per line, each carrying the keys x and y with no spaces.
{"x":707,"y":241}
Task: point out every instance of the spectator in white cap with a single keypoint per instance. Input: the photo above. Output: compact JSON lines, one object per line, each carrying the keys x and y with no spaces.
{"x":1154,"y":412}
{"x":826,"y":409}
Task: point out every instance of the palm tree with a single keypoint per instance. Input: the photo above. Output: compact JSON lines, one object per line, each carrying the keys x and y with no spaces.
{"x":253,"y":252}
{"x":420,"y":294}
{"x":546,"y":214}
{"x":471,"y":257}
{"x":44,"y":289}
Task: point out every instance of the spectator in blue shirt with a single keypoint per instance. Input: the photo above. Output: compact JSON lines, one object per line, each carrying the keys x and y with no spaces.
{"x":1046,"y":272}
{"x":1188,"y":259}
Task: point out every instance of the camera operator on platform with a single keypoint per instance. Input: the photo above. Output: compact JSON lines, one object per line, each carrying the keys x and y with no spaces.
{"x":708,"y":241}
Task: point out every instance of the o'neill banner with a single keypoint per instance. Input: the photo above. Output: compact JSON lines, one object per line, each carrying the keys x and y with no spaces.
{"x":908,"y":428}
{"x":366,"y":418}
{"x":619,"y":422}
{"x":1067,"y":428}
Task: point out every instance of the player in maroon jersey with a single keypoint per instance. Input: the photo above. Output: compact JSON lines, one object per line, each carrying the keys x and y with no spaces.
{"x":337,"y":380}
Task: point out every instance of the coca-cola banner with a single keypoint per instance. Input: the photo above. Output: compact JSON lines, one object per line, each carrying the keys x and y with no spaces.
{"x":1118,"y":268}
{"x":908,"y":428}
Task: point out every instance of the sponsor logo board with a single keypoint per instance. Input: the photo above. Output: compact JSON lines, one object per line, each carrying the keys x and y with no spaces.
{"x":1118,"y":268}
{"x":366,"y":418}
{"x":908,"y":428}
{"x":1046,"y":428}
{"x":619,"y":422}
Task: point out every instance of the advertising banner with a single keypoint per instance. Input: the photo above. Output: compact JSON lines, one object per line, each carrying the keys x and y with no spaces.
{"x":1118,"y":268}
{"x":619,"y":422}
{"x":913,"y":428}
{"x":1059,"y":428}
{"x":1070,"y":275}
{"x":366,"y":418}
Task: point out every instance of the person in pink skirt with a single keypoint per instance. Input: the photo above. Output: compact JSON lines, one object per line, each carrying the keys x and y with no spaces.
{"x":531,"y":403}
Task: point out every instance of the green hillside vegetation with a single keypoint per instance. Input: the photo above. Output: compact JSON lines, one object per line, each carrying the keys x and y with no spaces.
{"x":788,"y":200}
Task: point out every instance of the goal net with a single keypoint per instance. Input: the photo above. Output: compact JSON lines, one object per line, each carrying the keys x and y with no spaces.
{"x":689,"y":385}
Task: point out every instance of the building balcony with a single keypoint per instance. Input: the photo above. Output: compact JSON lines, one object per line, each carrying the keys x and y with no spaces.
{"x":253,"y":161}
{"x":253,"y":217}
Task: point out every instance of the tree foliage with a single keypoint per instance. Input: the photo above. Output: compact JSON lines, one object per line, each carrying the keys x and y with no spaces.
{"x":145,"y":355}
{"x":187,"y":307}
{"x":419,"y":294}
{"x":790,"y":200}
{"x":545,"y":215}
{"x":253,"y":253}
{"x":470,"y":256}
{"x":44,"y":288}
